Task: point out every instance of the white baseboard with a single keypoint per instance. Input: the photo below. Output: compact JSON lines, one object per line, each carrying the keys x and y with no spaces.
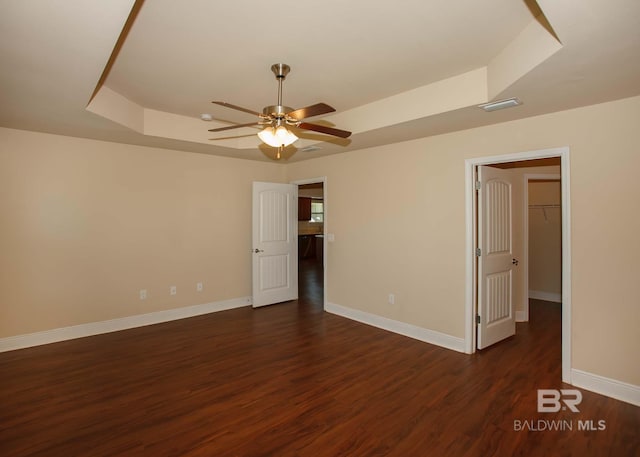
{"x":619,"y":390}
{"x":546,"y":296}
{"x":95,"y":328}
{"x":402,"y":328}
{"x":522,"y":316}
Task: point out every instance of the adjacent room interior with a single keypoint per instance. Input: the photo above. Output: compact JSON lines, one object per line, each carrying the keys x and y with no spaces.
{"x":311,"y":243}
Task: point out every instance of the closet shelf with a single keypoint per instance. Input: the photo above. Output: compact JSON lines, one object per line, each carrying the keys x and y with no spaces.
{"x":544,"y":210}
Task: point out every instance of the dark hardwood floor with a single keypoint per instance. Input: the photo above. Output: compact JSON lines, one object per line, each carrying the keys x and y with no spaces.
{"x":310,"y":283}
{"x":291,"y":380}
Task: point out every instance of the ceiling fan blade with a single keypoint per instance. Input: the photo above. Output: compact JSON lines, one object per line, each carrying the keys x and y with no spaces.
{"x":236,"y":126}
{"x":239,"y":108}
{"x":309,"y":111}
{"x":323,"y":129}
{"x":231,"y":137}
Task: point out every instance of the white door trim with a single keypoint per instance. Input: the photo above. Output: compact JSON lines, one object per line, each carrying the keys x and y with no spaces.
{"x":528,"y":177}
{"x":470,"y":212}
{"x":325,"y":206}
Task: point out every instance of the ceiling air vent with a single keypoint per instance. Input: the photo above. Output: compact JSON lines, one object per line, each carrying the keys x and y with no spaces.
{"x":310,"y":148}
{"x":500,"y":104}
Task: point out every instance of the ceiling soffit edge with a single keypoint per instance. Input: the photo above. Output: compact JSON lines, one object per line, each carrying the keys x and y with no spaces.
{"x":535,"y":43}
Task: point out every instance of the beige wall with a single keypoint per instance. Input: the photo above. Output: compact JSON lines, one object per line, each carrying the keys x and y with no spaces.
{"x":86,"y":224}
{"x":411,"y":242}
{"x":311,"y":193}
{"x":545,"y":238}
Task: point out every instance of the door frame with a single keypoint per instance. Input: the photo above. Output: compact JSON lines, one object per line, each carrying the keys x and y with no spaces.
{"x":323,"y":180}
{"x":525,"y":192}
{"x":470,"y":235}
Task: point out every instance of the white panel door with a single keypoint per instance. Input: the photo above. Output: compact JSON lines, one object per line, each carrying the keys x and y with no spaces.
{"x":496,"y":262}
{"x":275,"y":243}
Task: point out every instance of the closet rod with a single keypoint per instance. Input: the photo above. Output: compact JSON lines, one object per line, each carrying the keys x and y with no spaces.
{"x":544,"y":206}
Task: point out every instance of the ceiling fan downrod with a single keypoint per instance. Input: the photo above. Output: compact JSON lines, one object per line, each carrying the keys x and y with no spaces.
{"x":281,"y":70}
{"x":278,"y":112}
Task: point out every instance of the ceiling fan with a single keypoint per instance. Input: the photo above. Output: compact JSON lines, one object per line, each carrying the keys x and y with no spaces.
{"x":276,"y":118}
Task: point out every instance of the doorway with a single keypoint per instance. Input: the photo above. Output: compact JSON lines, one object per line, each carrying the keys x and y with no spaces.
{"x":542,"y":239}
{"x":471,"y":242}
{"x":311,"y":242}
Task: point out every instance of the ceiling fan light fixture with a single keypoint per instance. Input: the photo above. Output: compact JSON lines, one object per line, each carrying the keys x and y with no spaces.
{"x":277,"y":117}
{"x":277,"y":136}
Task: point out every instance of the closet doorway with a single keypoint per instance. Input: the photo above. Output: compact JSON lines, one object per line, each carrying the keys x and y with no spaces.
{"x":473,"y":294}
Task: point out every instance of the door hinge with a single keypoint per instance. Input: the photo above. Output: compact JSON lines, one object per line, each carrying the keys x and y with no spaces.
{"x":477,"y":318}
{"x":478,"y":252}
{"x":478,"y":185}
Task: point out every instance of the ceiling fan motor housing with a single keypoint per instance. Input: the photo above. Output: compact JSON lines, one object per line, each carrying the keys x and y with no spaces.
{"x":277,"y":111}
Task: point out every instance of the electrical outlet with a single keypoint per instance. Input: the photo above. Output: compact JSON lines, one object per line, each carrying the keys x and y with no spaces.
{"x":392,"y":299}
{"x":173,"y":290}
{"x":199,"y":287}
{"x":143,"y":294}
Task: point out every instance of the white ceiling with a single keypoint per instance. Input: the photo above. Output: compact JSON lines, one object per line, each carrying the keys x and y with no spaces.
{"x":347,"y":53}
{"x":380,"y":64}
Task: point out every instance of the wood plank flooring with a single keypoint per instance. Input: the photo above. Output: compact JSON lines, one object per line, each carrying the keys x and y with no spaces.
{"x":291,"y":380}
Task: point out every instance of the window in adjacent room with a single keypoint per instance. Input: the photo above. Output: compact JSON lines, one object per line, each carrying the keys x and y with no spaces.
{"x":317,"y":211}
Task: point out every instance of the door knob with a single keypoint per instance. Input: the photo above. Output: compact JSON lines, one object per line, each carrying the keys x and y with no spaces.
{"x":515,"y":262}
{"x":256,"y":250}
